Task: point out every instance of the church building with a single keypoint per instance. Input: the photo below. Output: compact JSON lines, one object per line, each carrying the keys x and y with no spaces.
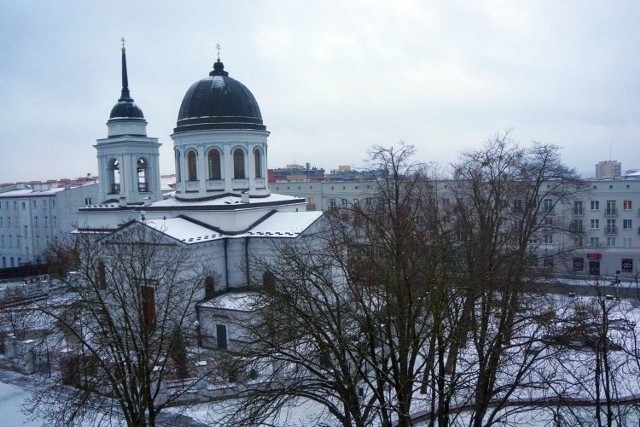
{"x":222,"y":208}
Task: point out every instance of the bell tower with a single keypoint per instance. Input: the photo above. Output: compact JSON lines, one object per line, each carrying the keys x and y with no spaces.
{"x":128,"y":160}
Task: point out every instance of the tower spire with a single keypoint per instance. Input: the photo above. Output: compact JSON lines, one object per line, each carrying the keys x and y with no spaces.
{"x":125,"y":95}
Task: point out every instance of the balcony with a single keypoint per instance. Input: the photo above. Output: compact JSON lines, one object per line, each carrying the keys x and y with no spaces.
{"x":579,"y":211}
{"x":611,"y":212}
{"x":611,"y":230}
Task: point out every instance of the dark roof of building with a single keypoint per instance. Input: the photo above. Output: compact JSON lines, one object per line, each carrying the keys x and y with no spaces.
{"x":218,"y":102}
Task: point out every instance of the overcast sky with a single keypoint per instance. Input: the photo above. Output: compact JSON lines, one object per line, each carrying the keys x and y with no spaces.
{"x":332,"y":78}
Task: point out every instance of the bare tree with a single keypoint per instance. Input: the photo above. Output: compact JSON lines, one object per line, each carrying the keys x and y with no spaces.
{"x":121,"y":329}
{"x":348,"y":323}
{"x":505,"y":199}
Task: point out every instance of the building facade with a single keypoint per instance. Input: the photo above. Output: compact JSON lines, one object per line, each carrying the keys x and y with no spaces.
{"x":33,"y":216}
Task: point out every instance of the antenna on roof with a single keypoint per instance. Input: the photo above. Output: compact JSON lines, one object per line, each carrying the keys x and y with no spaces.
{"x":218,"y":48}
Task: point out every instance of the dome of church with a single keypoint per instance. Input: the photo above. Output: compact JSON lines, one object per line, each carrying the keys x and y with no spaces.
{"x":218,"y":102}
{"x":126,"y":108}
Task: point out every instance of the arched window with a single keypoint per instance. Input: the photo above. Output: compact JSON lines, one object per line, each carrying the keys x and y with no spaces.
{"x":238,"y":164}
{"x":269,"y":282}
{"x":257,"y":160}
{"x":213,"y":158}
{"x":192,"y":170}
{"x":114,"y":176}
{"x":143,"y":177}
{"x":178,"y":177}
{"x":209,"y":287}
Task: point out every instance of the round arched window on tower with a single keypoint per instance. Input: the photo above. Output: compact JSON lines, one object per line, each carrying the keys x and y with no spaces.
{"x":213,"y":159}
{"x":238,"y":164}
{"x":143,"y":175}
{"x":192,"y":166}
{"x":257,"y":160}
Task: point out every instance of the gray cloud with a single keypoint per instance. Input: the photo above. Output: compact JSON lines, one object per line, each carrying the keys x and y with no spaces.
{"x":332,"y":78}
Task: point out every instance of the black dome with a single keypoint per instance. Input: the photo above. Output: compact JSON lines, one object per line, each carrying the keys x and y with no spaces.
{"x":126,"y":108}
{"x":218,"y":102}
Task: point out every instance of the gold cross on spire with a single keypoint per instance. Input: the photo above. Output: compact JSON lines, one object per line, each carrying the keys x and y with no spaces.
{"x":218,"y":48}
{"x":122,"y":40}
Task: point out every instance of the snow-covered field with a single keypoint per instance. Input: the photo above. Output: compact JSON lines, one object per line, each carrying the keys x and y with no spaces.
{"x":11,"y":399}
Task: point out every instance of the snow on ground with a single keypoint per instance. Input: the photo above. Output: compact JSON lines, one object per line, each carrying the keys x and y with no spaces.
{"x":11,"y":399}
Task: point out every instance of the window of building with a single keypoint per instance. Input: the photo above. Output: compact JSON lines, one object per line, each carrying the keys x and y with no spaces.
{"x":101,"y":275}
{"x":517,"y":206}
{"x":24,"y":233}
{"x":578,"y":241}
{"x":46,"y":221}
{"x":611,"y":208}
{"x":548,"y":239}
{"x":626,"y":205}
{"x":113,"y":177}
{"x":257,"y":159}
{"x":53,"y":203}
{"x":576,"y":226}
{"x":611,"y":242}
{"x":24,"y":206}
{"x":213,"y":165}
{"x":33,"y":203}
{"x":148,"y":295}
{"x":54,"y":221}
{"x":547,"y":205}
{"x":269,"y":282}
{"x":35,"y":221}
{"x":626,"y":265}
{"x":344,"y":203}
{"x":192,"y":166}
{"x":594,"y":242}
{"x":209,"y":287}
{"x":595,"y":205}
{"x":238,"y":164}
{"x":611,"y":226}
{"x":595,"y":224}
{"x":87,"y":201}
{"x":577,"y":207}
{"x":143,"y":175}
{"x":627,"y":224}
{"x":333,"y":204}
{"x":221,"y":336}
{"x":626,"y":242}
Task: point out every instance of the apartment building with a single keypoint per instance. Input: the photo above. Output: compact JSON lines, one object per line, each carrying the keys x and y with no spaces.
{"x":604,"y":220}
{"x":34,"y":215}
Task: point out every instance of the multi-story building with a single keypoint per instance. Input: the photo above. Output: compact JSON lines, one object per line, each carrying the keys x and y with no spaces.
{"x":604,"y":221}
{"x":608,"y":169}
{"x":34,"y":215}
